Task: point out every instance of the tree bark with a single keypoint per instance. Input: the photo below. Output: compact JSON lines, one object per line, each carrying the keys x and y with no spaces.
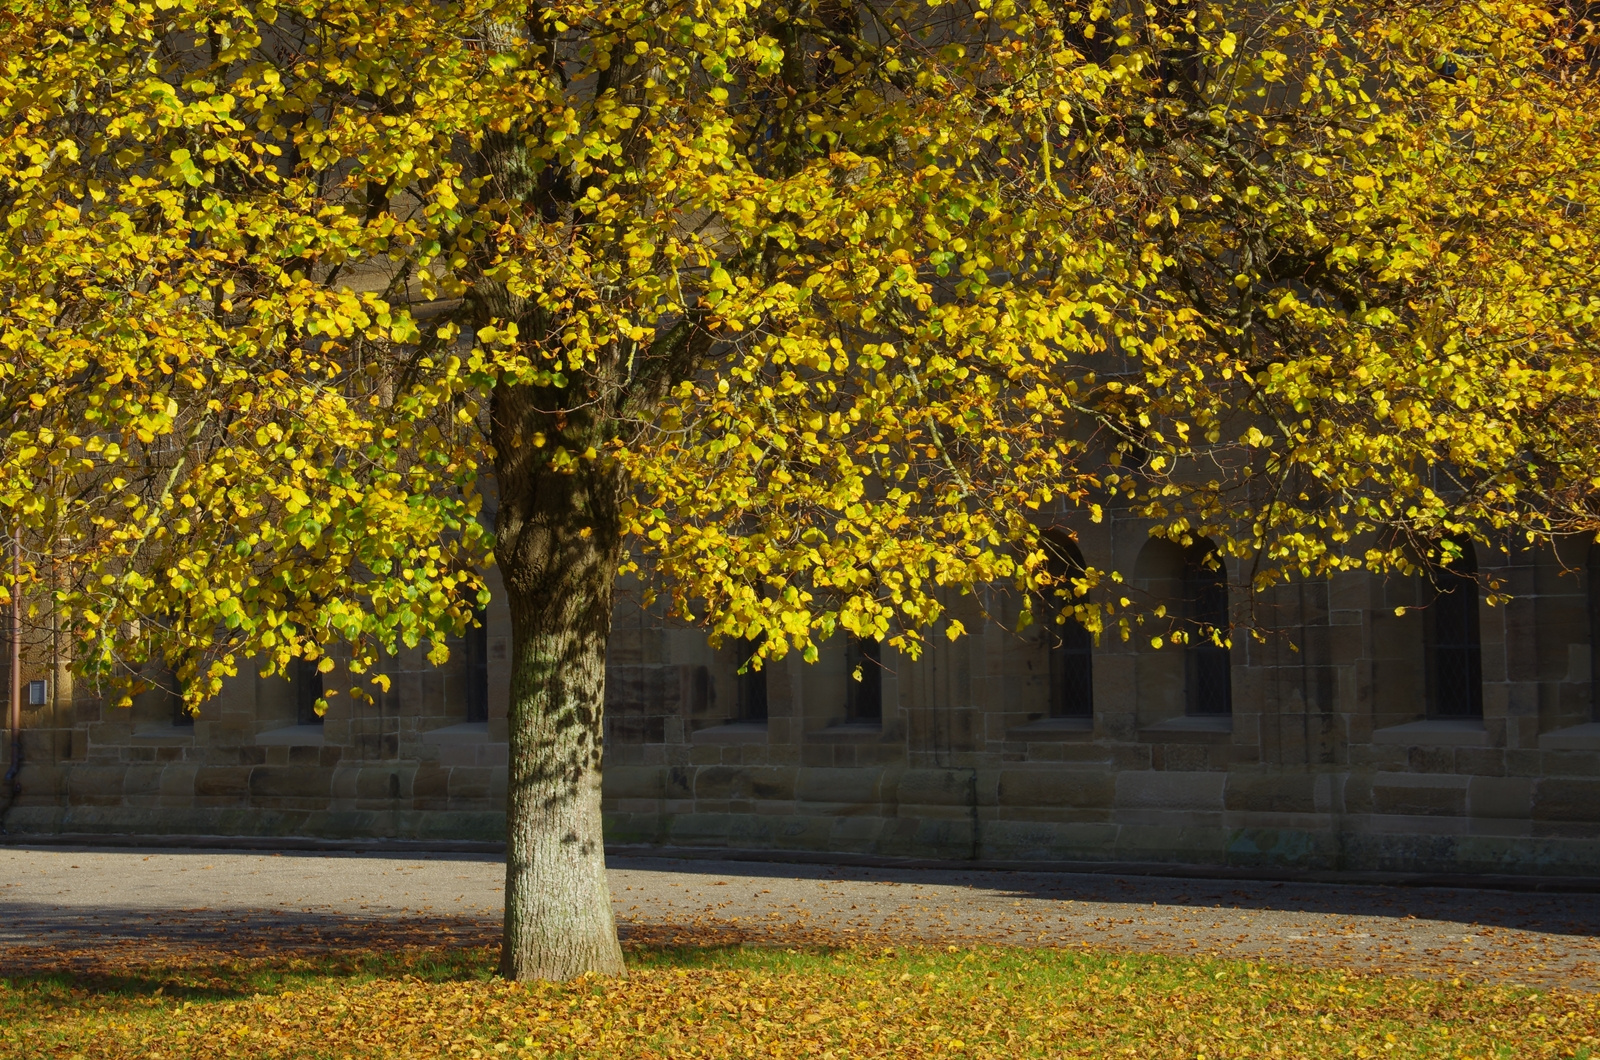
{"x":558,"y":546}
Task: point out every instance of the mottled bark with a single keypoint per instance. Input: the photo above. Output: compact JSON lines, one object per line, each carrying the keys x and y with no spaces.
{"x":557,"y":545}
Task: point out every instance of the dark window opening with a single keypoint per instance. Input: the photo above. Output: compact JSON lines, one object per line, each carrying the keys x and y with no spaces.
{"x":750,"y":690}
{"x":475,"y":656}
{"x":180,"y":713}
{"x":1071,"y":645}
{"x":1071,"y":671}
{"x":863,"y":699}
{"x":1457,"y":656}
{"x":1594,"y":630}
{"x":1208,"y":665}
{"x":307,"y":681}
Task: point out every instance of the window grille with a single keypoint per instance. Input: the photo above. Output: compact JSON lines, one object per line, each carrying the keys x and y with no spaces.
{"x":750,"y":690}
{"x":1457,"y":668}
{"x":863,"y":699}
{"x":1071,"y":670}
{"x":1208,"y":669}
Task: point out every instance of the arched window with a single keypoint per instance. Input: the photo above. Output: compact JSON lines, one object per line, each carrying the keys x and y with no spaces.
{"x":863,"y":699}
{"x":1456,"y":657}
{"x":750,"y":688}
{"x":1208,"y":670}
{"x":1071,"y":646}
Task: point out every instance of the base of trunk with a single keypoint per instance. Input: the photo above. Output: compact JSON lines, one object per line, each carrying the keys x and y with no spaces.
{"x":559,"y":923}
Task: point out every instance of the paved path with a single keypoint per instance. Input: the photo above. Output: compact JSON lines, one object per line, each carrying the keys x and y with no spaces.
{"x":79,"y":906}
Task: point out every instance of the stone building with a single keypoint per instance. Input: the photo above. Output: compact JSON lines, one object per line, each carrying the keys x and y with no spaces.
{"x":1455,"y":737}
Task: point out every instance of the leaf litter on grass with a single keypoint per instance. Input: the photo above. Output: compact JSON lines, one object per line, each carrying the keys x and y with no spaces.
{"x":748,"y":1001}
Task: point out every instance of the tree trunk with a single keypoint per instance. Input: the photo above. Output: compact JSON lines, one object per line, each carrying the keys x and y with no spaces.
{"x":558,"y":546}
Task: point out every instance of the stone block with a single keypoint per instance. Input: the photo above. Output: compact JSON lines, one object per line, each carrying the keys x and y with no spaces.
{"x":1182,"y":758}
{"x":177,"y":779}
{"x":142,"y":781}
{"x":1481,"y":761}
{"x":1046,"y":788}
{"x":97,"y":785}
{"x":634,"y":828}
{"x":459,"y":756}
{"x":1171,"y":844}
{"x":700,"y":829}
{"x":935,"y":787}
{"x":43,"y":783}
{"x":1170,"y":791}
{"x":377,"y":781}
{"x":838,"y":785}
{"x":772,"y":783}
{"x":1273,"y":846}
{"x":1500,"y":797}
{"x":721,"y":782}
{"x":1566,"y":799}
{"x":1431,"y":759}
{"x":632,"y":782}
{"x":1272,"y":793}
{"x":678,"y":783}
{"x":470,"y":782}
{"x":430,"y":784}
{"x":222,"y":782}
{"x":1132,"y":757}
{"x":297,"y":782}
{"x":1420,"y":794}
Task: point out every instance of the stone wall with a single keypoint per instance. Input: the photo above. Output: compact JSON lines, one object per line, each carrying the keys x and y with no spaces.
{"x":1331,"y":758}
{"x":407,"y":765}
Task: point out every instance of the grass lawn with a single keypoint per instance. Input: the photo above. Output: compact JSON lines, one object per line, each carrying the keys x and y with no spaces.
{"x":750,"y":1002}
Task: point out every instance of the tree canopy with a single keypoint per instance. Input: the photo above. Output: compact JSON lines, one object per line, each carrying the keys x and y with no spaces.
{"x":816,"y":312}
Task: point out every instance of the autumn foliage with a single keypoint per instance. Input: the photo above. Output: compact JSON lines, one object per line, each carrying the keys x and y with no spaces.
{"x":813,"y":314}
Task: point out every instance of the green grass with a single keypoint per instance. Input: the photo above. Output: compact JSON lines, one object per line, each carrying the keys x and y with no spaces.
{"x":749,"y":1001}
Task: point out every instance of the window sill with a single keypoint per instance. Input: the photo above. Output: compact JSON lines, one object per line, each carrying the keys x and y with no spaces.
{"x":291,"y":736}
{"x":732,"y":732}
{"x":1052,"y":729}
{"x":466,"y":732}
{"x":1435,"y":732}
{"x":1191,"y":725}
{"x":1584,"y":737}
{"x":849,"y":732}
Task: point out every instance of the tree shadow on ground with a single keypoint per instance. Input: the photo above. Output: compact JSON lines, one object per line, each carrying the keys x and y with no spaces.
{"x":43,"y":941}
{"x":1574,"y":914}
{"x":123,"y":977}
{"x":176,"y":968}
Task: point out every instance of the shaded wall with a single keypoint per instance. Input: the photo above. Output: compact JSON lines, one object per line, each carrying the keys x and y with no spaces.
{"x":1328,"y":760}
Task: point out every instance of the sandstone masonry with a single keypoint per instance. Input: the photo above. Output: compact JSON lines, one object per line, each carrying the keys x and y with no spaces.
{"x":1352,"y":738}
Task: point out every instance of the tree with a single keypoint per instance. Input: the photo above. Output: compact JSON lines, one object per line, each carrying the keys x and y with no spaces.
{"x":815,"y":313}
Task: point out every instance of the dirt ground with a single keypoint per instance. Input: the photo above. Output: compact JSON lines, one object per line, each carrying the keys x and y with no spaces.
{"x":82,"y":907}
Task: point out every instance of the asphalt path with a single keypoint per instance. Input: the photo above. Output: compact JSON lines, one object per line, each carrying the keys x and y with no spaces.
{"x":75,"y":907}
